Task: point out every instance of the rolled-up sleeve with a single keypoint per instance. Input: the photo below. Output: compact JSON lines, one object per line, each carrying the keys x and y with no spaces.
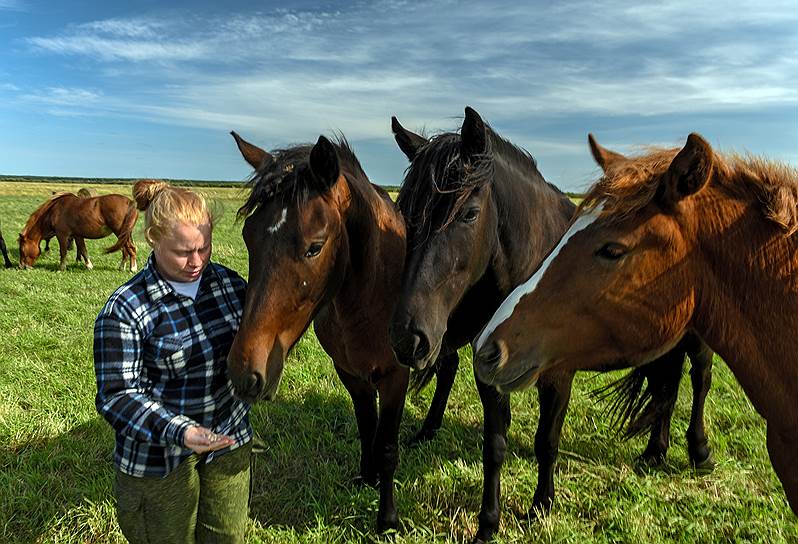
{"x":118,"y":360}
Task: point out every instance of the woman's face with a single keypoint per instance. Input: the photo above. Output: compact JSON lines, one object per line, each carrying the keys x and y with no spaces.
{"x":185,"y":254}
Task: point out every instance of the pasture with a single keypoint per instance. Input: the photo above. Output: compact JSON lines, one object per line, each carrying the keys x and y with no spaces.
{"x":55,"y":450}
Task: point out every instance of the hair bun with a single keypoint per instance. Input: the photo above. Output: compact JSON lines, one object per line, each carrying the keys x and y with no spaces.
{"x":145,"y":190}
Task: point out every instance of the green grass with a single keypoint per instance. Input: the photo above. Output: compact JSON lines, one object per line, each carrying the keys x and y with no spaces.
{"x":55,"y":459}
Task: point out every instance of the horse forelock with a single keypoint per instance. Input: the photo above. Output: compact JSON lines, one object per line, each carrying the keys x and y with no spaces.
{"x":286,"y":178}
{"x":437,"y":183}
{"x":629,"y":186}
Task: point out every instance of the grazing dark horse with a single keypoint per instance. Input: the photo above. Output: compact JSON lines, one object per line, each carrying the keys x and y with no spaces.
{"x":4,"y":249}
{"x":325,"y":245}
{"x":480,"y":218}
{"x":672,"y":240}
{"x":67,"y":215}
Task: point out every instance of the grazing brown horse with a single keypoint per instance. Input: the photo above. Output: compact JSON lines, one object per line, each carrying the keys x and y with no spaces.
{"x":667,"y":242}
{"x":480,"y":218}
{"x":325,"y":245}
{"x":67,"y":215}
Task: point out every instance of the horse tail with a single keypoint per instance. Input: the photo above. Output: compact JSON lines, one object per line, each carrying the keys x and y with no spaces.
{"x":633,"y":410}
{"x":126,"y":232}
{"x":419,"y":379}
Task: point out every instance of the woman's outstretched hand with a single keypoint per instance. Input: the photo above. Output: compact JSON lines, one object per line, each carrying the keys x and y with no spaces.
{"x":202,"y":440}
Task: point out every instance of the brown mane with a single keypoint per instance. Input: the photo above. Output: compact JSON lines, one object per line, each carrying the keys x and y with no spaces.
{"x":628,"y":186}
{"x":36,"y":216}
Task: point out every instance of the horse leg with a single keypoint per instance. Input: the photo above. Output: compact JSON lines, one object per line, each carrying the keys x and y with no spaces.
{"x":392,"y":390}
{"x":82,"y":251}
{"x":62,"y":246}
{"x":4,"y":249}
{"x":447,"y":371}
{"x":47,"y":244}
{"x":364,"y":399}
{"x":663,"y":375}
{"x":783,"y":452}
{"x":69,"y":243}
{"x":554,"y":390}
{"x":496,"y":412}
{"x":701,"y":378}
{"x":131,"y":251}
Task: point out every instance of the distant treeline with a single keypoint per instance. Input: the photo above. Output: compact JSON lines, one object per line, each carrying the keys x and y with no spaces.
{"x":183,"y":182}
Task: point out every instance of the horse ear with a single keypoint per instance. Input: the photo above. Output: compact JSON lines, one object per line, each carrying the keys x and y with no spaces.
{"x":603,"y":156}
{"x":254,"y":155}
{"x":324,"y":163}
{"x":473,"y":135}
{"x":409,"y":142}
{"x":689,"y":171}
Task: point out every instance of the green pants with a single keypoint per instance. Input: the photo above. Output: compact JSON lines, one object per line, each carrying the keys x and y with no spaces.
{"x":196,"y":502}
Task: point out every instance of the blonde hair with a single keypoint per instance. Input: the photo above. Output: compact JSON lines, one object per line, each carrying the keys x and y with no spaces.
{"x":167,"y":206}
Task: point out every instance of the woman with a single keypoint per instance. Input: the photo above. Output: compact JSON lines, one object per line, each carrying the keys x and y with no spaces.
{"x":183,"y":441}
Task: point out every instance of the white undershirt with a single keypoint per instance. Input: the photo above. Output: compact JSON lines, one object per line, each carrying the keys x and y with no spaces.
{"x":186,"y":288}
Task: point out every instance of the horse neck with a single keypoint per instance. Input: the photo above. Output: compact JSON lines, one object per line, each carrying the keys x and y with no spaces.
{"x":747,"y":298}
{"x":375,"y":234}
{"x":533,"y":216}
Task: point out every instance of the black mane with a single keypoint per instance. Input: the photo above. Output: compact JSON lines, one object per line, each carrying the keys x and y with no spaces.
{"x":437,"y":183}
{"x":287,"y":176}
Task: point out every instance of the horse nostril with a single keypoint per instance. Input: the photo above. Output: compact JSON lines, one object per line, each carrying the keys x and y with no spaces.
{"x":490,"y":355}
{"x":420,"y":344}
{"x":254,"y":385}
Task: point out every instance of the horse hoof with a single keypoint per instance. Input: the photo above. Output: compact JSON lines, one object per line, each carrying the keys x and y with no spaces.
{"x":706,"y":466}
{"x":539,"y":510}
{"x":649,"y":459}
{"x":422,"y":436}
{"x":388,"y":525}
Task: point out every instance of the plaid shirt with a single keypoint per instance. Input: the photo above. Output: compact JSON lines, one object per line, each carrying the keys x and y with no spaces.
{"x":161,"y":366}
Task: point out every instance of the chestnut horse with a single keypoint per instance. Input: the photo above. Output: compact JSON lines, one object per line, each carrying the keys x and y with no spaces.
{"x":68,"y":216}
{"x":480,"y":218}
{"x":325,"y":245}
{"x":667,"y":242}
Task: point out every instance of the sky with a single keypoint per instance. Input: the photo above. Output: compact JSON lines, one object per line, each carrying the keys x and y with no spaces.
{"x":153,"y":88}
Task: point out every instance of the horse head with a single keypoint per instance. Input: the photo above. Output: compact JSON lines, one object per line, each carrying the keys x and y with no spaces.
{"x":295,"y":235}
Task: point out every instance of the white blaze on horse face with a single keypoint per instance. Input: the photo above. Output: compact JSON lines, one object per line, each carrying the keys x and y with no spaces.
{"x":280,"y":222}
{"x":508,"y":306}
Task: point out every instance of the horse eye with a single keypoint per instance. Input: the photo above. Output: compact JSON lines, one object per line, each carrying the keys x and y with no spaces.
{"x":314,"y":250}
{"x":612,"y":251}
{"x":470,"y":215}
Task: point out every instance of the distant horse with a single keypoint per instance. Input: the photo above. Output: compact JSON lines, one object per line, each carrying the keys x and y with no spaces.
{"x":480,"y":218}
{"x":67,"y":215}
{"x":325,"y":245}
{"x":83,"y":192}
{"x":4,"y":249}
{"x":665,"y":242}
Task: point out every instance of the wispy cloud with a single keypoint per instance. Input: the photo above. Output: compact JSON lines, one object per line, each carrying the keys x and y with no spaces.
{"x":284,"y":75}
{"x":12,"y":5}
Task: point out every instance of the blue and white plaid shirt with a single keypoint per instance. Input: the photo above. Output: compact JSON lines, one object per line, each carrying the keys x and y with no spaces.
{"x":161,"y":366}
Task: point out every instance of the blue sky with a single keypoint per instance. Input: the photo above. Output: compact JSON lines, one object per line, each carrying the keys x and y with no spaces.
{"x":152,"y":88}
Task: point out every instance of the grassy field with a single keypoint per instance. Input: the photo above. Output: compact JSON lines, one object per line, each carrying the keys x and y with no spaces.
{"x":56,"y":469}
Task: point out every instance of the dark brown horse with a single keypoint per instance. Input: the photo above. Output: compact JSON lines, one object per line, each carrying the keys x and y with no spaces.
{"x":480,"y":218}
{"x":4,"y":249}
{"x":325,"y":245}
{"x":673,"y":240}
{"x":67,"y":215}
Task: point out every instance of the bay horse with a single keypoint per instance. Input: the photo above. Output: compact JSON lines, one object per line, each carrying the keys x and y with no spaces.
{"x":480,"y":218}
{"x":69,"y":216}
{"x":325,"y":245}
{"x":673,"y":240}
